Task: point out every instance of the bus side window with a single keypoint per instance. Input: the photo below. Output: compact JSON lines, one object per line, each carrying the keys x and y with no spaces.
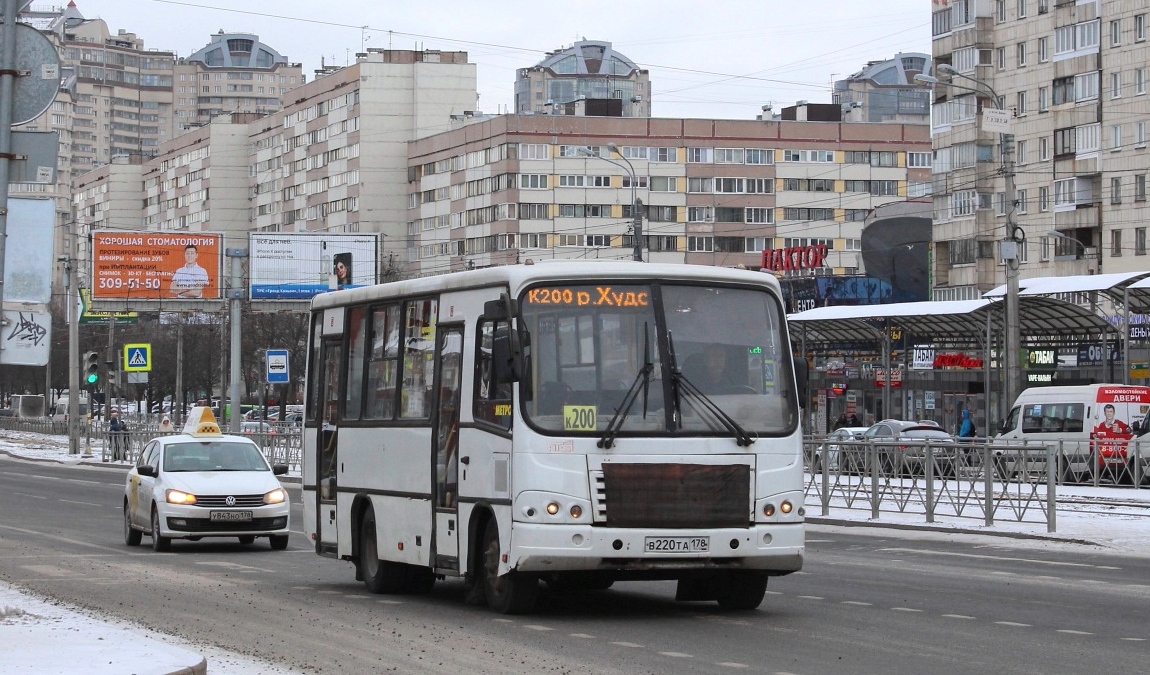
{"x":492,"y":393}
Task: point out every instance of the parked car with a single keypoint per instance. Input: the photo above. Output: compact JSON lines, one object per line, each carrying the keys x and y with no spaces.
{"x":839,"y":457}
{"x":901,"y":448}
{"x":203,"y":483}
{"x":256,"y":427}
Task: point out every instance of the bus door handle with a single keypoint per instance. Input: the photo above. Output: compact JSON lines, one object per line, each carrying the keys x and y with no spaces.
{"x":466,"y":459}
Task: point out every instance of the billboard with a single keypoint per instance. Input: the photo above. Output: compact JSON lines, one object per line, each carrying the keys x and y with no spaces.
{"x":130,"y":265}
{"x":27,"y":338}
{"x":301,"y":266}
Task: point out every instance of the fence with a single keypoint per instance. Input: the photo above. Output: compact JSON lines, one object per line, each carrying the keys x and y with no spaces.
{"x":281,"y":445}
{"x":974,"y":480}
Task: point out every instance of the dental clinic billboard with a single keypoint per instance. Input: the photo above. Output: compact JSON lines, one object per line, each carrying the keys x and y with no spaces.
{"x":133,"y":265}
{"x":301,"y":266}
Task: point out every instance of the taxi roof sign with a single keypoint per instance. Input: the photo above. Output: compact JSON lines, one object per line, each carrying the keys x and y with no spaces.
{"x":202,"y":422}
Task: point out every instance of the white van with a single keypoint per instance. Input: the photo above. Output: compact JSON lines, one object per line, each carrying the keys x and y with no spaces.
{"x":1091,"y":421}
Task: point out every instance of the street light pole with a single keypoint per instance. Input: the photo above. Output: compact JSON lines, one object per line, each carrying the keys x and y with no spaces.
{"x":1010,"y":246}
{"x":636,"y":203}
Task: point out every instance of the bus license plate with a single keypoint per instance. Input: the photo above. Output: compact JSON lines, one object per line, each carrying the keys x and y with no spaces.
{"x":677,"y":544}
{"x":231,"y":516}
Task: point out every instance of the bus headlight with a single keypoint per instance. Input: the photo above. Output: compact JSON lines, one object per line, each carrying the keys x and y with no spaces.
{"x":576,"y":511}
{"x":786,"y":507}
{"x":552,"y":508}
{"x":768,"y":510}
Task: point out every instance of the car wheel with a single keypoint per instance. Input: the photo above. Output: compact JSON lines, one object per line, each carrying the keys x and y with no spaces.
{"x":132,"y":536}
{"x":380,"y":576}
{"x":159,"y":544}
{"x":279,"y":541}
{"x":247,"y":538}
{"x":511,"y":593}
{"x":742,"y":590}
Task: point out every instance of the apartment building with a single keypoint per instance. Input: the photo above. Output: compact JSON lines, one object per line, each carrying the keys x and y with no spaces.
{"x":1072,"y":73}
{"x":589,"y":77}
{"x":714,"y":192}
{"x":886,"y":91}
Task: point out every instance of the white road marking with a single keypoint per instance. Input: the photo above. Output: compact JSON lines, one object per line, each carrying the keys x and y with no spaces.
{"x":1012,"y":623}
{"x":69,"y":501}
{"x":957,"y":616}
{"x":390,"y":602}
{"x":732,"y":664}
{"x":234,"y":566}
{"x":1073,"y":632}
{"x":811,"y":597}
{"x":953,"y":554}
{"x":676,"y":655}
{"x":538,"y":627}
{"x":857,"y":603}
{"x":904,"y":609}
{"x":1133,"y":639}
{"x":628,"y":644}
{"x":582,"y":636}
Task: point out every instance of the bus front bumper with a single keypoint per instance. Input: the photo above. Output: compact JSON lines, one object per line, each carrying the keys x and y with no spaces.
{"x":774,"y":548}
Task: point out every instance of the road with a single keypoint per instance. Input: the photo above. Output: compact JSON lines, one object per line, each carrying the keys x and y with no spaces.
{"x":865,"y":603}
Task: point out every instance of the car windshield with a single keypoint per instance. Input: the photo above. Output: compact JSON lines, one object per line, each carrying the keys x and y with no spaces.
{"x":214,"y":456}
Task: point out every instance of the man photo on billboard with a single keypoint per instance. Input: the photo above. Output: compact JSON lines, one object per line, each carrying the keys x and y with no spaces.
{"x":189,"y":280}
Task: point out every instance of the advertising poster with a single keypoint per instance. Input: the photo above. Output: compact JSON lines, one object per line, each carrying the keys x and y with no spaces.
{"x":27,"y":338}
{"x":155,"y":266}
{"x":301,"y":266}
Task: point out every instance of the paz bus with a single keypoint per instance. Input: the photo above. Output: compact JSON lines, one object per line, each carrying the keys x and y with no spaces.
{"x":556,"y":423}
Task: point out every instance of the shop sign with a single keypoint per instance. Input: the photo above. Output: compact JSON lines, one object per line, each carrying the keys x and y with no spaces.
{"x":895,"y":377}
{"x":957,"y":361}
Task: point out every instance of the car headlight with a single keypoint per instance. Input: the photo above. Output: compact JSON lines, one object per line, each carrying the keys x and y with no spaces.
{"x":180,"y":497}
{"x":276,"y":496}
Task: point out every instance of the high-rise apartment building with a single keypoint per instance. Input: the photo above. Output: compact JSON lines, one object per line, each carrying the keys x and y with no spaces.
{"x":886,"y":91}
{"x":1072,"y":74}
{"x":587,"y":78}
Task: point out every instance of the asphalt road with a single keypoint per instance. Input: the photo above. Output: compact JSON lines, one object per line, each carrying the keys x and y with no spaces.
{"x":863,"y":604}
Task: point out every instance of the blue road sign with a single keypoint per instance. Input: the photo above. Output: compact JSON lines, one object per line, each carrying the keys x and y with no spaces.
{"x":277,"y":366}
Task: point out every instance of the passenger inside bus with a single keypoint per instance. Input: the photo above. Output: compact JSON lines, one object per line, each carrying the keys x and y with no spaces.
{"x":710,"y":371}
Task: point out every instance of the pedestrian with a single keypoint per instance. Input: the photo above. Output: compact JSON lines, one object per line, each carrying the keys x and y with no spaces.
{"x":854,"y":420}
{"x":841,"y":421}
{"x":166,"y":426}
{"x":118,"y":437}
{"x":966,"y":428}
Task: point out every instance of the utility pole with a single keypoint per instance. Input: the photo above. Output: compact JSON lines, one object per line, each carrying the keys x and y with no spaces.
{"x":637,"y":208}
{"x":71,"y":301}
{"x":1011,"y":255}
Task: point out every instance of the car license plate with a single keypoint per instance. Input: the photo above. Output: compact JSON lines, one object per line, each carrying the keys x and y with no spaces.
{"x":677,"y":544}
{"x":231,"y":516}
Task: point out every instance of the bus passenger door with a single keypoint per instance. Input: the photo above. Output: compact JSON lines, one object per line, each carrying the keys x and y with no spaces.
{"x":326,"y":454}
{"x":446,"y":447}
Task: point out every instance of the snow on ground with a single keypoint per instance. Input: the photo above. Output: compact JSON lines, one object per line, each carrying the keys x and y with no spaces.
{"x":32,"y":632}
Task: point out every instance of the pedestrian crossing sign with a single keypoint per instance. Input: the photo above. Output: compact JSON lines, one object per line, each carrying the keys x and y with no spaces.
{"x":137,"y":357}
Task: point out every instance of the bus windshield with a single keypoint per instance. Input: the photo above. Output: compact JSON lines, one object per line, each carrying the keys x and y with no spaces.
{"x":693,"y":359}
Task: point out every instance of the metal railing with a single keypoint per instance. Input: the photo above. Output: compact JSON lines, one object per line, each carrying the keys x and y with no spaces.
{"x":281,"y":445}
{"x":984,"y":480}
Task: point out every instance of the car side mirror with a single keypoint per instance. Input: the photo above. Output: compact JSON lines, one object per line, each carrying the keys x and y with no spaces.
{"x":279,"y":469}
{"x":146,"y":470}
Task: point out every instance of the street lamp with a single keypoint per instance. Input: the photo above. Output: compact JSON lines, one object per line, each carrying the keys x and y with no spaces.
{"x":636,"y":204}
{"x":1012,"y":366}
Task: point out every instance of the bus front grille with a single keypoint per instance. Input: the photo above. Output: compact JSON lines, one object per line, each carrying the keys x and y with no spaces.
{"x":672,"y":495}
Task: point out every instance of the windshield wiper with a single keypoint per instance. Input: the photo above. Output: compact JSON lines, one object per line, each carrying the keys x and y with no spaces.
{"x":684,"y":388}
{"x":643,"y":380}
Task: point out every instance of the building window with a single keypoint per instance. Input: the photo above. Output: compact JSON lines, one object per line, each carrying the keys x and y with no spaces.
{"x":700,"y":214}
{"x":1022,"y":9}
{"x":1043,"y":199}
{"x":1139,"y":27}
{"x":1086,"y":86}
{"x":1116,"y":243}
{"x":1043,"y":49}
{"x":1115,"y":85}
{"x":1023,"y":152}
{"x":1139,"y":80}
{"x":700,"y":244}
{"x":1043,"y":149}
{"x":1116,"y":33}
{"x":760,"y":156}
{"x":1116,"y":137}
{"x":1139,"y":241}
{"x":1020,"y":108}
{"x":918,"y":160}
{"x":1021,"y":49}
{"x":729,"y":155}
{"x":664,"y":184}
{"x":533,"y":181}
{"x":760,"y":215}
{"x":1116,"y":190}
{"x":1000,"y":11}
{"x":1063,"y":90}
{"x":1000,"y":58}
{"x":1140,"y":187}
{"x":699,"y":155}
{"x":1020,"y":201}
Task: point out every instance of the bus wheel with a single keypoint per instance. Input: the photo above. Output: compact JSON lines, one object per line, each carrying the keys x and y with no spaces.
{"x":512,"y":593}
{"x":380,"y":576}
{"x":742,"y":590}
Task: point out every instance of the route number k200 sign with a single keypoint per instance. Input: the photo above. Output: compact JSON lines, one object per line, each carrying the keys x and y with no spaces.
{"x":155,"y":266}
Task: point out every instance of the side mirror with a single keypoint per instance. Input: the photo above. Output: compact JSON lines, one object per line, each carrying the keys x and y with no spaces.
{"x":146,"y":470}
{"x":802,"y":379}
{"x":501,"y":360}
{"x":279,"y":469}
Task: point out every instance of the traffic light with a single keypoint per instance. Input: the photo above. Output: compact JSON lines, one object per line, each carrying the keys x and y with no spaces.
{"x":91,"y":367}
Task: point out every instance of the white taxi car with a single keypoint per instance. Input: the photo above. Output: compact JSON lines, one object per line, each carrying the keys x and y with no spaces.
{"x":202,"y":483}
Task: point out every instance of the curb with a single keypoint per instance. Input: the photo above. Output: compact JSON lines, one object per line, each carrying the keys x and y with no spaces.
{"x":927,"y":527}
{"x":200,"y":668}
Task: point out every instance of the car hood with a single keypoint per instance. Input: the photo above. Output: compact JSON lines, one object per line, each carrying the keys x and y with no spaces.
{"x":222,"y":482}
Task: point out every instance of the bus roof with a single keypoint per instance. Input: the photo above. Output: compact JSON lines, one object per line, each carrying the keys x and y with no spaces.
{"x":516,"y":276}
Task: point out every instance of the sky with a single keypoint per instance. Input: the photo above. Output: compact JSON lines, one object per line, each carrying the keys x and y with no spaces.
{"x":719,"y":60}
